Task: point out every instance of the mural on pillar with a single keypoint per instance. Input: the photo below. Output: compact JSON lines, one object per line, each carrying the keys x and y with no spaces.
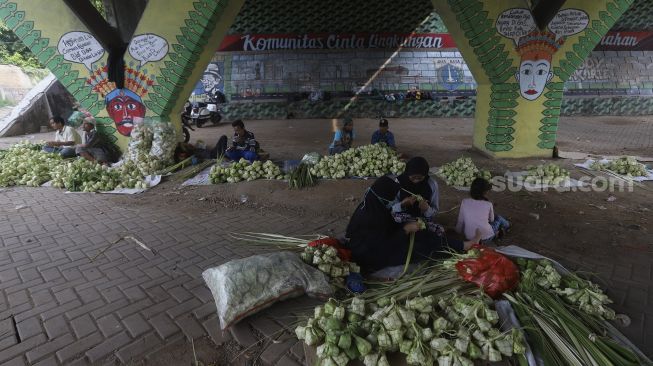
{"x":124,"y":106}
{"x":166,"y":50}
{"x":525,"y":67}
{"x":536,"y":48}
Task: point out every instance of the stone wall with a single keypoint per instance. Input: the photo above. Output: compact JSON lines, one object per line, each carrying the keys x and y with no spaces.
{"x":14,"y":83}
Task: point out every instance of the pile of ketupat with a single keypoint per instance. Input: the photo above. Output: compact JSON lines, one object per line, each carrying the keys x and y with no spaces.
{"x":364,"y":161}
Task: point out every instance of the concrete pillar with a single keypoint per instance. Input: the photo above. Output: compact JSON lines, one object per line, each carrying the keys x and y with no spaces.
{"x":521,"y":70}
{"x":124,"y":15}
{"x":172,"y":45}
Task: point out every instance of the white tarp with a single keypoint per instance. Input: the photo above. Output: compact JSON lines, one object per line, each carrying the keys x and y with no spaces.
{"x":201,"y":179}
{"x":588,"y":163}
{"x":151,"y":180}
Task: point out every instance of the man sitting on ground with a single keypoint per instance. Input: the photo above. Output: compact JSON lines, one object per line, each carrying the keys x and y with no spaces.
{"x":243,"y":144}
{"x":343,"y":137}
{"x":92,"y":147}
{"x":65,"y":139}
{"x":384,"y":135}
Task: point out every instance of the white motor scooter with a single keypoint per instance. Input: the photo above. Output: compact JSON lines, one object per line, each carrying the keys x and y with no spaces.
{"x":209,"y":111}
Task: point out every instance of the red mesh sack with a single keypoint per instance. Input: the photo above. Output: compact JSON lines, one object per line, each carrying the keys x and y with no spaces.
{"x":491,"y":271}
{"x":343,"y":253}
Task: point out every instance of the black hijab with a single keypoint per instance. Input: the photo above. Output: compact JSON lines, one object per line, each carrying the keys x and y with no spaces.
{"x":415,"y":166}
{"x":373,"y":213}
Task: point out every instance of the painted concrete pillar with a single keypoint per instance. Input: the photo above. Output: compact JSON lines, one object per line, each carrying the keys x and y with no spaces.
{"x":521,"y":70}
{"x":172,"y":45}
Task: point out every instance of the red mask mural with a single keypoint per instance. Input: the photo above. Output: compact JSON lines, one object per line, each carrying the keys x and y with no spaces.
{"x":123,"y":107}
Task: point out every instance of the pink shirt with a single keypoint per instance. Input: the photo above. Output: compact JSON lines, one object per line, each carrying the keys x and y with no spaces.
{"x":475,"y":214}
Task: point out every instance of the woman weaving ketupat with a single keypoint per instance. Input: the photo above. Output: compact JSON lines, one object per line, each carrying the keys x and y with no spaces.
{"x":378,"y":241}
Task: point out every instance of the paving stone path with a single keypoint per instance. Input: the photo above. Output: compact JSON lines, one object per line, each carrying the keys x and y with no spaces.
{"x":71,"y":294}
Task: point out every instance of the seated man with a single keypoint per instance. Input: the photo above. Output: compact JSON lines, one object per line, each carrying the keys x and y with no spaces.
{"x":185,"y":150}
{"x":384,"y":135}
{"x":243,"y":144}
{"x":65,"y":139}
{"x":92,"y":147}
{"x":343,"y":138}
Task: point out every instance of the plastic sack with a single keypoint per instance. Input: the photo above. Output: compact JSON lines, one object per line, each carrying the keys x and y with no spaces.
{"x":290,"y":165}
{"x":76,"y":119}
{"x":311,"y":158}
{"x":245,"y":286}
{"x":343,"y":253}
{"x":491,"y":271}
{"x":140,"y":140}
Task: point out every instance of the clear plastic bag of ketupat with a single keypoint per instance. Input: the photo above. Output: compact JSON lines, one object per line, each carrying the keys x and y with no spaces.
{"x":164,"y":141}
{"x":140,"y":141}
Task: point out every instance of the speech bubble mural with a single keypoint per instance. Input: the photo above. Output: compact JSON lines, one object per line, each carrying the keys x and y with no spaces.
{"x":148,"y":48}
{"x":81,"y":48}
{"x":515,"y":23}
{"x":569,"y":22}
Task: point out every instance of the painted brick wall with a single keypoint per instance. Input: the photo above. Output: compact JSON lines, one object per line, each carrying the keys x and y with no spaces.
{"x":614,"y":73}
{"x":598,"y":87}
{"x":276,"y":72}
{"x":617,"y":73}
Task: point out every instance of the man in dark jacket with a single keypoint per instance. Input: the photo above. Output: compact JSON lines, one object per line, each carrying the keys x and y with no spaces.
{"x":243,"y":144}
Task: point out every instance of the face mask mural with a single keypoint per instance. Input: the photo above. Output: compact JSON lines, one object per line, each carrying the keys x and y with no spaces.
{"x":536,"y":51}
{"x":125,"y":105}
{"x":535,"y":48}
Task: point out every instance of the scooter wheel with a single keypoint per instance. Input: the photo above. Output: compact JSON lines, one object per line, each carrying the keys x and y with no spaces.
{"x":186,"y":135}
{"x":199,"y":124}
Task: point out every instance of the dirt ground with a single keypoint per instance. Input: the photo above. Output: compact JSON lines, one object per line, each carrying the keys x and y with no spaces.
{"x":576,"y":221}
{"x":439,"y":141}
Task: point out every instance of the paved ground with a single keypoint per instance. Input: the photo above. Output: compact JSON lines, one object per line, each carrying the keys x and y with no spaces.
{"x":70,"y":294}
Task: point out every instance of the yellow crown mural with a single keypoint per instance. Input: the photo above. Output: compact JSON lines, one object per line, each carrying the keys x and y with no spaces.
{"x":135,"y":80}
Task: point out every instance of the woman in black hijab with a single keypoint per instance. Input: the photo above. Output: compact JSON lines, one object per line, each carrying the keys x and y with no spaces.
{"x":378,"y":241}
{"x":415,"y":180}
{"x":372,"y":218}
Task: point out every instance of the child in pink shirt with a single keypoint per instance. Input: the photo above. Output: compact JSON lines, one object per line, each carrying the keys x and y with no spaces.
{"x":478,"y":213}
